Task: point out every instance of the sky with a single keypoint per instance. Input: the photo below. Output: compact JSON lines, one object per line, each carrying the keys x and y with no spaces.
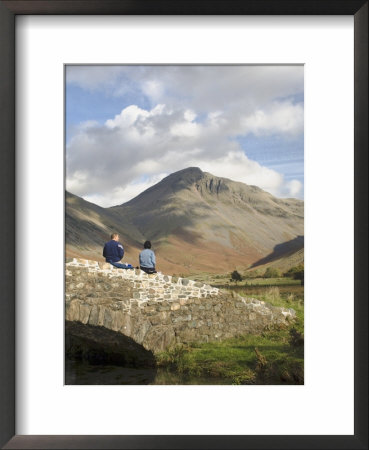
{"x":129,"y":126}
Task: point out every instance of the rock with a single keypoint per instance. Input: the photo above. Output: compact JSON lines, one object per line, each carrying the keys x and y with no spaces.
{"x":159,"y":338}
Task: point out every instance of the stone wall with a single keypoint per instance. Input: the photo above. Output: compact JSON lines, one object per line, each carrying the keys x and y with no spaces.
{"x":158,"y":310}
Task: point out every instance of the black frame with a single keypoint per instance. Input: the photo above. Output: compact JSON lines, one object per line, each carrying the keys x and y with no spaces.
{"x":8,"y":11}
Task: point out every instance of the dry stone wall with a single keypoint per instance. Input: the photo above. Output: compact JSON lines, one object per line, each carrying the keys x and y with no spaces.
{"x":158,"y":310}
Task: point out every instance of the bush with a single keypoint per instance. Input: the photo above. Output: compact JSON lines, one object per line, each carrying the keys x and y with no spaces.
{"x":297,"y":273}
{"x":271,"y":272}
{"x":294,"y":271}
{"x":296,"y":338}
{"x":235,"y":276}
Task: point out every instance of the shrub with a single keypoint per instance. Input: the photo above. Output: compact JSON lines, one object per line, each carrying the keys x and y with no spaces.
{"x":297,"y":272}
{"x":235,"y":276}
{"x":296,"y":338}
{"x":272,"y":272}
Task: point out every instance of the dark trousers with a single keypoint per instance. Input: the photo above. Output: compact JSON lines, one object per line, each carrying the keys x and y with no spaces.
{"x":148,"y":269}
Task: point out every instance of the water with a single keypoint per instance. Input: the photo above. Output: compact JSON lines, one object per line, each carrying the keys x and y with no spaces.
{"x":83,"y":373}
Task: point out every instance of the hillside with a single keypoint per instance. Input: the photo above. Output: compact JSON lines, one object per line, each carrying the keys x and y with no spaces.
{"x":196,"y":222}
{"x":88,"y":226}
{"x":282,"y":263}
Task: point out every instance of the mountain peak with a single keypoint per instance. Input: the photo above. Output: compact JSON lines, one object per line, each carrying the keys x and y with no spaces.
{"x":183,"y":178}
{"x":189,"y":174}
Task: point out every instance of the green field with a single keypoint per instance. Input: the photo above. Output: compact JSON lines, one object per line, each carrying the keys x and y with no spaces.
{"x":275,"y":357}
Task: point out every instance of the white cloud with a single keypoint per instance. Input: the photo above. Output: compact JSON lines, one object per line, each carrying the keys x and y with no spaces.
{"x":153,"y":89}
{"x":285,"y":118}
{"x":293,"y":188}
{"x":88,"y":124}
{"x":121,"y":195}
{"x":201,"y":88}
{"x":111,"y":159}
{"x":196,"y":115}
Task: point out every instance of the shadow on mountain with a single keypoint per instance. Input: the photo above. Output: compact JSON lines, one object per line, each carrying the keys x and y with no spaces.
{"x":284,"y":249}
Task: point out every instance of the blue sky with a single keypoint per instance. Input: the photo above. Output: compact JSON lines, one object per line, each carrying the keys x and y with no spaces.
{"x":129,"y":126}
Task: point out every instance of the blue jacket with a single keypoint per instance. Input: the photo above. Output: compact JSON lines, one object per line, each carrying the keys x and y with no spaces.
{"x":147,"y":258}
{"x":113,"y":251}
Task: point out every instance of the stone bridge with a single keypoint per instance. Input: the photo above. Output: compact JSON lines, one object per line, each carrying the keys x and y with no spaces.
{"x":158,"y":311}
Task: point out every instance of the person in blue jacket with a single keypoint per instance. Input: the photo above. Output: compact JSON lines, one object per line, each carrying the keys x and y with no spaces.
{"x":114,"y":251}
{"x":147,"y":259}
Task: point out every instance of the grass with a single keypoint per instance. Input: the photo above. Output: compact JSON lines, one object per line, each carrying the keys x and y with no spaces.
{"x":224,"y":281}
{"x":274,"y":357}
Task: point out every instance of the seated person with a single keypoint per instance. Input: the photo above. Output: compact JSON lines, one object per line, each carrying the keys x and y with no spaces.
{"x":114,"y":251}
{"x":147,"y":259}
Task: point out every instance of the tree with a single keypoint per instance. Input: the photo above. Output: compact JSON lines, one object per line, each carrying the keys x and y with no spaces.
{"x":297,"y":273}
{"x":235,"y":276}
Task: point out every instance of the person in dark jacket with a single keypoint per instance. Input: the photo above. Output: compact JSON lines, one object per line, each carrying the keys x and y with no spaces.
{"x":147,"y":259}
{"x":114,"y":251}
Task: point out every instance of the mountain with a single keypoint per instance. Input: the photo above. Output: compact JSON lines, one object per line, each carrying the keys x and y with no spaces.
{"x":195,"y":220}
{"x":88,"y":226}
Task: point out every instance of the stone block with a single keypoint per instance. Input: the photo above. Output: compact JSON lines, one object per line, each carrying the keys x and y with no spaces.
{"x":126,"y":327}
{"x":94,"y":315}
{"x":72,"y":310}
{"x":141,"y":330}
{"x":175,"y":306}
{"x":156,"y":319}
{"x":159,"y":338}
{"x":108,"y":318}
{"x":84,"y":312}
{"x":163,"y":308}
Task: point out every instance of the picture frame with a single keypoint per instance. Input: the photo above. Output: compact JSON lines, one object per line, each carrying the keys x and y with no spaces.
{"x":8,"y":11}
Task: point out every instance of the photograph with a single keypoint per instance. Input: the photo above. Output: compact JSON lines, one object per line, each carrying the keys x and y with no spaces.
{"x":184,"y":224}
{"x":182,"y":156}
